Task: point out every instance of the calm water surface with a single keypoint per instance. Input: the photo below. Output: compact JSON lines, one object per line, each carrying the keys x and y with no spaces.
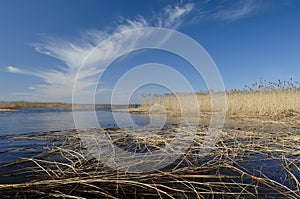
{"x":46,"y":119}
{"x":13,"y":125}
{"x":30,"y":122}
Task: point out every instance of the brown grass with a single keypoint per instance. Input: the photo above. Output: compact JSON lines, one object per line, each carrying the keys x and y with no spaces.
{"x":274,"y":100}
{"x":243,"y":164}
{"x":265,"y":103}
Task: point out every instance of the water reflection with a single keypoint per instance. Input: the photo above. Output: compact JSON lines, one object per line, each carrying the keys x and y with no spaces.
{"x":47,"y":119}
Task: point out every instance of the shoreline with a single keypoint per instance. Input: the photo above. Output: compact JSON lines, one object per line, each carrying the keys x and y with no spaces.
{"x":4,"y":110}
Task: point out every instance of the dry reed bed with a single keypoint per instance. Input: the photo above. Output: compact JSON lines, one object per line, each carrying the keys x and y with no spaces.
{"x":281,"y":103}
{"x":243,"y":164}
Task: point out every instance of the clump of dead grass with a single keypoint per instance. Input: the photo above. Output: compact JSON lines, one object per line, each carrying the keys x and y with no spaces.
{"x":243,"y":164}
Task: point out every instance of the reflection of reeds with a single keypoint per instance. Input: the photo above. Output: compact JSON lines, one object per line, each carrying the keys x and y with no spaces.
{"x":275,"y":99}
{"x":242,"y":165}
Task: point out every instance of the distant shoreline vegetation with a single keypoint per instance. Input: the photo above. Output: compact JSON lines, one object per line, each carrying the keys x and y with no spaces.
{"x":275,"y":99}
{"x":15,"y":105}
{"x":10,"y":106}
{"x":24,"y":104}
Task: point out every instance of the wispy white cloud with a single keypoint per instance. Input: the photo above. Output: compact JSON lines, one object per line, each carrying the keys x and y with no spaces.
{"x":174,"y":14}
{"x":13,"y":69}
{"x":226,"y":10}
{"x":237,"y":10}
{"x":58,"y":84}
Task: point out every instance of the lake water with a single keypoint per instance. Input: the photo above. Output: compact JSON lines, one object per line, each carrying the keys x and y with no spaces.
{"x":15,"y":125}
{"x":18,"y":131}
{"x":46,"y":119}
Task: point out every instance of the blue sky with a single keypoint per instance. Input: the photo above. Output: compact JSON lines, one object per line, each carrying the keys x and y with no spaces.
{"x":42,"y":41}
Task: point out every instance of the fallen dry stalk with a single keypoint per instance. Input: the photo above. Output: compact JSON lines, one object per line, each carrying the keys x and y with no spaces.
{"x":239,"y":166}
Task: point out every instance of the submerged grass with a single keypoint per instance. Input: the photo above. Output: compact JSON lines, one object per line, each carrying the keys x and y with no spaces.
{"x":242,"y":164}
